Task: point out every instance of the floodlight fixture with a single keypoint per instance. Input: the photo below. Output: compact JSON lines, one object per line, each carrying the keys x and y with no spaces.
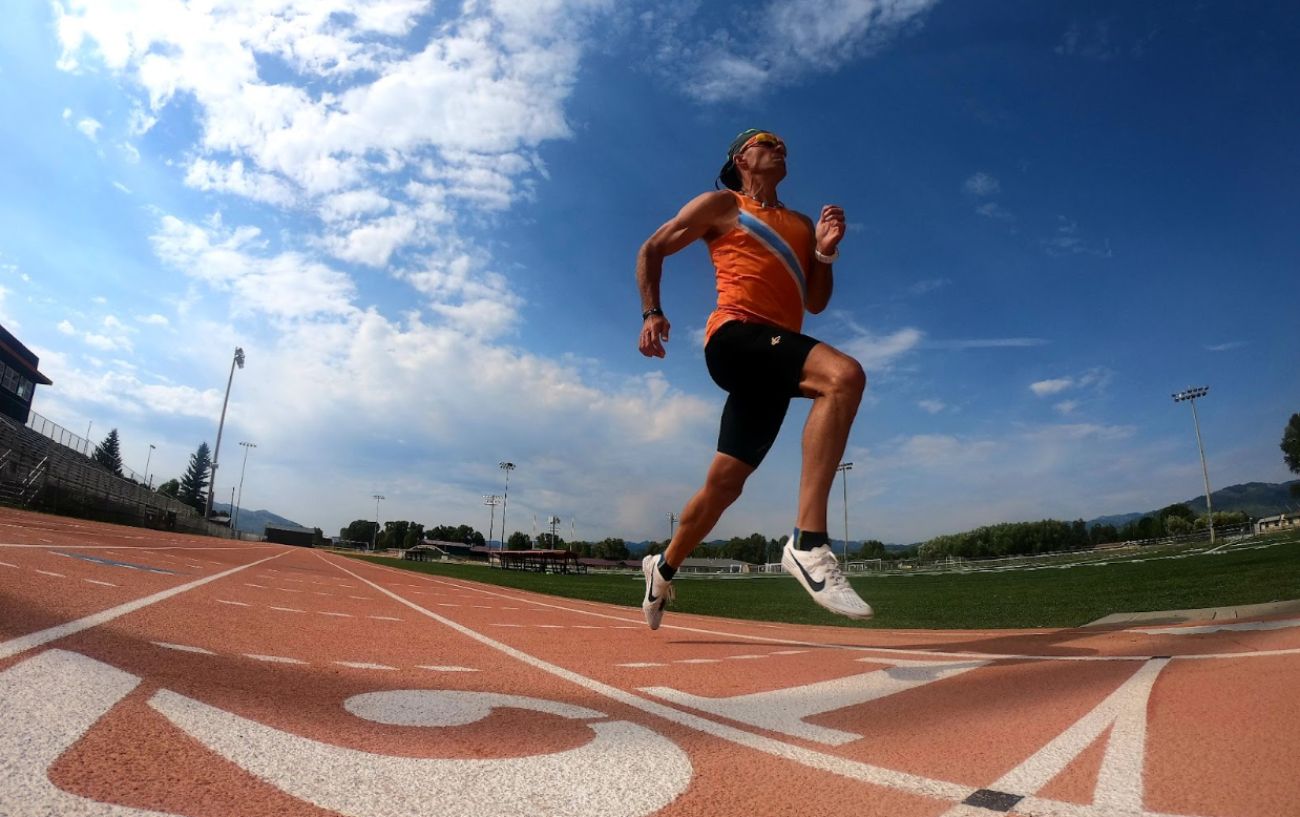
{"x":507,"y":466}
{"x":234,"y":525}
{"x":1191,"y":395}
{"x":844,"y":468}
{"x":216,"y":452}
{"x":493,"y":500}
{"x":374,"y":542}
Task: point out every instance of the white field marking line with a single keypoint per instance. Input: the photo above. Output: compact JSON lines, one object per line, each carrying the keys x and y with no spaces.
{"x":106,"y":584}
{"x":182,"y":648}
{"x":641,"y":664}
{"x":15,"y":646}
{"x":7,"y":564}
{"x":1216,"y":628}
{"x":50,"y":573}
{"x":364,"y":665}
{"x":273,"y":659}
{"x":338,"y":615}
{"x":446,"y":669}
{"x":954,"y":793}
{"x":855,"y":770}
{"x":384,"y":618}
{"x":287,"y":609}
{"x":636,"y":624}
{"x":236,"y":603}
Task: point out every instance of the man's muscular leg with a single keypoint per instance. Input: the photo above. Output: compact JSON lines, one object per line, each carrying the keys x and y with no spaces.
{"x":722,"y":487}
{"x":835,"y":382}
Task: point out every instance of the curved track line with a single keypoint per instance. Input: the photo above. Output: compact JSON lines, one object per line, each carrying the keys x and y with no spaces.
{"x":26,"y":642}
{"x":955,"y":793}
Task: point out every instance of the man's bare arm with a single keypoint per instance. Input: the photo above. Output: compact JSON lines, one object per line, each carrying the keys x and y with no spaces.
{"x":827,"y":234}
{"x":701,"y":217}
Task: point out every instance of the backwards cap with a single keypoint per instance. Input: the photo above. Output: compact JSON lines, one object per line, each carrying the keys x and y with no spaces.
{"x":729,"y":175}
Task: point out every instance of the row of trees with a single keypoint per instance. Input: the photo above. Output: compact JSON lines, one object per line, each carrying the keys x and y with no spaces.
{"x":1051,"y":535}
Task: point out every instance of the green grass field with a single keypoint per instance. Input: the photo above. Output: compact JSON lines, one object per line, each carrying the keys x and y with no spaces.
{"x":1051,"y":597}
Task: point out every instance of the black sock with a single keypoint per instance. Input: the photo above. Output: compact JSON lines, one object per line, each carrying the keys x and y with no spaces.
{"x":807,"y":540}
{"x":666,"y":570}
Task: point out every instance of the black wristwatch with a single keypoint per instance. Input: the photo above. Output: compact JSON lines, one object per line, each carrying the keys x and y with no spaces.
{"x":654,"y":310}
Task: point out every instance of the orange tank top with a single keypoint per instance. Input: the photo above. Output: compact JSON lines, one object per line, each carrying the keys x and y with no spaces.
{"x":762,"y":266}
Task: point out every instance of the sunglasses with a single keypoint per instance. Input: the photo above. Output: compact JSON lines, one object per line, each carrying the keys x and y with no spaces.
{"x":769,"y":140}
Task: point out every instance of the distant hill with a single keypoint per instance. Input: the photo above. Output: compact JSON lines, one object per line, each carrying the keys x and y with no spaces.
{"x":251,"y":521}
{"x":1253,"y":498}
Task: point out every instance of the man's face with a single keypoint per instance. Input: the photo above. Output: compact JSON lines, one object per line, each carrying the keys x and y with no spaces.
{"x":764,"y":154}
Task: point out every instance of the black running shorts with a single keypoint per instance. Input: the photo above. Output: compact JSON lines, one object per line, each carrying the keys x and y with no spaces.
{"x":759,"y":367}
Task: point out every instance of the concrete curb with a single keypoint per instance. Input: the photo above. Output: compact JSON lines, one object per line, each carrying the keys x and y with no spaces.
{"x":1275,"y":608}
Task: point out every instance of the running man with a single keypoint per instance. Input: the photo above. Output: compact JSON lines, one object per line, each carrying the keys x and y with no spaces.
{"x":772,"y":264}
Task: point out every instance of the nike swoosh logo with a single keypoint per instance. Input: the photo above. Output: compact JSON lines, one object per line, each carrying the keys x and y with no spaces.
{"x":650,"y":589}
{"x":651,"y":597}
{"x":815,"y":585}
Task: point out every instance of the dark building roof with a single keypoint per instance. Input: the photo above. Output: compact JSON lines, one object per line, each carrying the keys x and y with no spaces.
{"x":24,"y":357}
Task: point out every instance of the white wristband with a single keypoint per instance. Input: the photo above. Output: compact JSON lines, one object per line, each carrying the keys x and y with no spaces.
{"x":826,"y":259}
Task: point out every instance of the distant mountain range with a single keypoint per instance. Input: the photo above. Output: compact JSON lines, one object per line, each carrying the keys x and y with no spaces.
{"x":1257,"y":499}
{"x":251,"y":521}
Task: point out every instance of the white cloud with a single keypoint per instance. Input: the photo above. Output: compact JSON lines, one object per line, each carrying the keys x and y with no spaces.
{"x":982,"y":184}
{"x":66,"y":327}
{"x":995,"y":211}
{"x":879,"y":352}
{"x":1067,"y":240}
{"x":1067,"y":407}
{"x":928,"y":286}
{"x":783,"y":42}
{"x":89,"y":128}
{"x":153,"y":320}
{"x":1225,"y":347}
{"x":122,"y":187}
{"x":1044,"y":388}
{"x":932,"y":406}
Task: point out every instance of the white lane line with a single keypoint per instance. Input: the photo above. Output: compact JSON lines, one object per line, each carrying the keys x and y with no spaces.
{"x":698,"y":661}
{"x":1244,"y":626}
{"x":23,"y":643}
{"x":289,"y":590}
{"x":744,"y":657}
{"x":182,"y":648}
{"x":505,"y":625}
{"x":273,"y":659}
{"x":259,"y":586}
{"x":287,"y":609}
{"x":446,"y":669}
{"x":337,"y":615}
{"x":97,"y":581}
{"x":360,"y":598}
{"x":641,"y":664}
{"x":845,"y":767}
{"x":235,"y":603}
{"x":384,"y":618}
{"x":6,"y":564}
{"x":364,"y":665}
{"x":50,"y":573}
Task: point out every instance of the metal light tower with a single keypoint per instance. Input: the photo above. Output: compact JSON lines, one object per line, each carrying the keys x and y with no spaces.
{"x":148,"y":479}
{"x":216,"y":452}
{"x":374,"y":542}
{"x":505,"y":498}
{"x":1190,"y":395}
{"x":844,"y":468}
{"x":240,"y":501}
{"x":494,"y":501}
{"x":672,"y":520}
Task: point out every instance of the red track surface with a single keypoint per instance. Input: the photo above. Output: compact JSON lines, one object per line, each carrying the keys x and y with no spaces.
{"x":144,"y":673}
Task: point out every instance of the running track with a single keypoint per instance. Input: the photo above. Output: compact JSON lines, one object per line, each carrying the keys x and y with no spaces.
{"x":145,"y":673}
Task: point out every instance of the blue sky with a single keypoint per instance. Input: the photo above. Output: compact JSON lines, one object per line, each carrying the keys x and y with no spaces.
{"x":420,"y":221}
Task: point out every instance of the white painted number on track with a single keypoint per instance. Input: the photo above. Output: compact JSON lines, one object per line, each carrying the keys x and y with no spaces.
{"x":48,"y":702}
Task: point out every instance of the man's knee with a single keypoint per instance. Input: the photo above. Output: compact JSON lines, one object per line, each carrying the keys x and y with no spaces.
{"x":844,"y":376}
{"x":727,"y":483}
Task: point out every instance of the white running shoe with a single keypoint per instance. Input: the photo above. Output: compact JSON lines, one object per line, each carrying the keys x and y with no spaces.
{"x":819,"y":572}
{"x":658,"y":592}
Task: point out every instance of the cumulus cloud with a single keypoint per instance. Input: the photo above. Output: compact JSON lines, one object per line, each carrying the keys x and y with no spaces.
{"x":1057,"y":385}
{"x":982,"y":184}
{"x":786,"y":41}
{"x":90,"y":128}
{"x":932,"y":406}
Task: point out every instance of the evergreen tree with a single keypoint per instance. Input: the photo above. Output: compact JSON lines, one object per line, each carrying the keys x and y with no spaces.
{"x":109,"y":453}
{"x":518,"y":541}
{"x":195,"y":481}
{"x":1291,"y":448}
{"x":171,"y":487}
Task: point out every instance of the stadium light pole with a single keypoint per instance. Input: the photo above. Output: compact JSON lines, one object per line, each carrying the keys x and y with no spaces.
{"x":1190,"y":396}
{"x":492,"y":500}
{"x":505,"y":498}
{"x":844,"y":468}
{"x":148,"y":479}
{"x":374,"y":542}
{"x":216,"y":452}
{"x":239,"y":502}
{"x":672,"y":520}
